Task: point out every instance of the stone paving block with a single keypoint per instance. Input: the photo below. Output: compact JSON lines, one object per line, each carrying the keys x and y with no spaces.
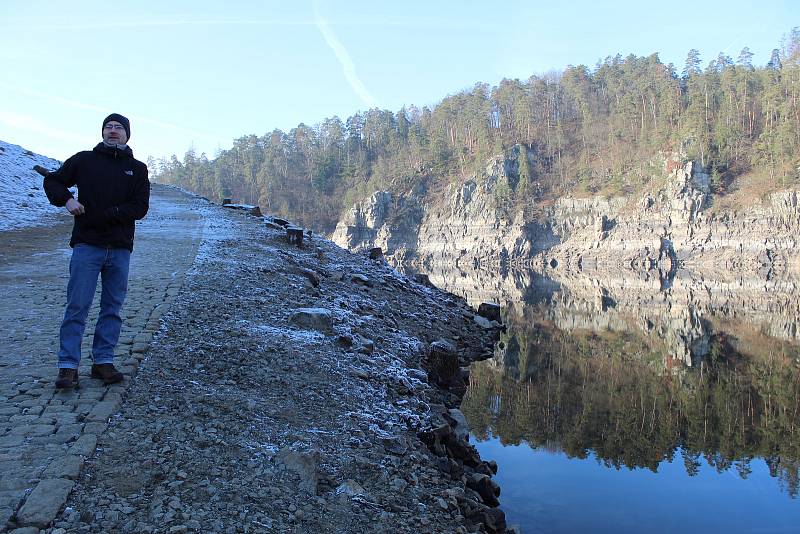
{"x":19,"y":420}
{"x":72,"y":430}
{"x":12,"y":440}
{"x":58,"y":408}
{"x":16,"y":482}
{"x":112,"y":396}
{"x":10,"y":455}
{"x":33,"y":430}
{"x":9,"y":410}
{"x":65,"y":396}
{"x":118,"y":388}
{"x":32,"y":402}
{"x":82,"y":409}
{"x":51,"y":440}
{"x":44,"y":502}
{"x":66,"y":419}
{"x":143,"y":338}
{"x":103,"y":410}
{"x":20,"y":475}
{"x":33,"y":410}
{"x":95,"y":427}
{"x":9,"y":501}
{"x":84,"y":445}
{"x":92,"y":394}
{"x":43,"y":453}
{"x":65,"y":467}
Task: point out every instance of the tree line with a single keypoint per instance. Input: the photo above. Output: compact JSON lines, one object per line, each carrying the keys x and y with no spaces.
{"x":591,"y":129}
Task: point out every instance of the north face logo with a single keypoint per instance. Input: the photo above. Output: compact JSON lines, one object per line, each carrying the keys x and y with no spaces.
{"x":129,"y":173}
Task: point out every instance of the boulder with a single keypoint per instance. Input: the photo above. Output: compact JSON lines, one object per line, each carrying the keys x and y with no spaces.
{"x":351,"y":488}
{"x":485,"y":487}
{"x":443,"y":364}
{"x":319,"y":319}
{"x":489,"y":310}
{"x":483,"y":322}
{"x":459,"y":423}
{"x":303,"y":464}
{"x":442,"y":441}
{"x":359,"y":278}
{"x":311,"y":275}
{"x":423,"y":279}
{"x":494,"y":519}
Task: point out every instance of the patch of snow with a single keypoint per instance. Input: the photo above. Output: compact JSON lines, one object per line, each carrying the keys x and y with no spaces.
{"x":22,"y":200}
{"x":216,"y":229}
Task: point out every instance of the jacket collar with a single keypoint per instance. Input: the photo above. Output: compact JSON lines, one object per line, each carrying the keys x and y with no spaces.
{"x":114,"y":151}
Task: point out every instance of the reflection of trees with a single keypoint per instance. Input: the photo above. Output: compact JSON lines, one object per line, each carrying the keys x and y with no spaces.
{"x":610,"y":394}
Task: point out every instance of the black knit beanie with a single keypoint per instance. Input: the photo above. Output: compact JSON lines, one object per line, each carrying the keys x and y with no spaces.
{"x":120,"y":119}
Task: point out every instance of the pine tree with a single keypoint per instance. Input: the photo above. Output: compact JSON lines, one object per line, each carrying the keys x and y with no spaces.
{"x":692,"y":63}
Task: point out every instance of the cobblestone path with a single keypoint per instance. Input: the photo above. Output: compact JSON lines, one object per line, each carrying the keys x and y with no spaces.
{"x":46,"y":435}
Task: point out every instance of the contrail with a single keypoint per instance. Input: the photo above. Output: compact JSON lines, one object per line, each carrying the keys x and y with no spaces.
{"x":157,"y":24}
{"x":20,"y":26}
{"x":100,"y":109}
{"x":31,"y":124}
{"x":344,"y":60}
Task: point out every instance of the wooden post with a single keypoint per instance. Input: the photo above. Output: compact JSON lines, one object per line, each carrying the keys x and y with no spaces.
{"x":294,"y":236}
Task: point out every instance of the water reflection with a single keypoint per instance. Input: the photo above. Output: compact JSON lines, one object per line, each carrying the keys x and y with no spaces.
{"x":639,"y":376}
{"x":608,"y":394}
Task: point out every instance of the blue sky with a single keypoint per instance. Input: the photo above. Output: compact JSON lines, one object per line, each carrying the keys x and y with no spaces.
{"x":202,"y":73}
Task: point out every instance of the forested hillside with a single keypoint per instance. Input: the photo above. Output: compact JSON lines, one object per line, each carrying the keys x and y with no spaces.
{"x":585,"y":130}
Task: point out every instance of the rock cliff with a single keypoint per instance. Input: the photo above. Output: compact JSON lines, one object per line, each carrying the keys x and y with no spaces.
{"x":465,"y":223}
{"x":673,"y":224}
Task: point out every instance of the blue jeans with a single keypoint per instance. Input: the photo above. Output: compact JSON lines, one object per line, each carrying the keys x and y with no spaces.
{"x":87,"y":263}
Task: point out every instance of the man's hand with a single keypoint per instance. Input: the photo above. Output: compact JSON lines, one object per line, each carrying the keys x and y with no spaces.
{"x":75,"y":207}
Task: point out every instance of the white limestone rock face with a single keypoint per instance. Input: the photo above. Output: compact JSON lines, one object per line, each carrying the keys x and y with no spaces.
{"x":361,"y":224}
{"x":672,"y":225}
{"x":462,"y":223}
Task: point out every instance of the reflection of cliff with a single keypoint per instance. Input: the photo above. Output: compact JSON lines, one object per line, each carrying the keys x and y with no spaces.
{"x":589,"y":392}
{"x":678,"y":320}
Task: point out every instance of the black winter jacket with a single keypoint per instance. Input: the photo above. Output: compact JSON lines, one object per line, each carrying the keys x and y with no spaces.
{"x":114,"y":190}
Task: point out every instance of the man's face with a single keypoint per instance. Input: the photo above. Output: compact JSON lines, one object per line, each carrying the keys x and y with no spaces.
{"x":114,"y":133}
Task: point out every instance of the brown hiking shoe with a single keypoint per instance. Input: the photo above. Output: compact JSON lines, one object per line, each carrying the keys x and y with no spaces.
{"x":107,"y":373}
{"x":67,"y":378}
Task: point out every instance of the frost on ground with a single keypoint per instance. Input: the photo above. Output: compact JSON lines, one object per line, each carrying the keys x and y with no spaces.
{"x":22,"y":199}
{"x":243,"y":419}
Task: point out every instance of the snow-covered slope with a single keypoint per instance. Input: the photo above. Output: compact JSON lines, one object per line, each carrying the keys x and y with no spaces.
{"x":22,"y":199}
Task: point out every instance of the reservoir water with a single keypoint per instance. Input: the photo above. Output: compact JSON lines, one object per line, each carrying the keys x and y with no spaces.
{"x":623,"y":404}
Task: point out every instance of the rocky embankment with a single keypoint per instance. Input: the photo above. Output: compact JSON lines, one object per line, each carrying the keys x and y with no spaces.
{"x":674,"y":224}
{"x":295,"y":390}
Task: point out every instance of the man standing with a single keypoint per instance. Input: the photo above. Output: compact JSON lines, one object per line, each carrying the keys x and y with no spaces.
{"x":113,"y":193}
